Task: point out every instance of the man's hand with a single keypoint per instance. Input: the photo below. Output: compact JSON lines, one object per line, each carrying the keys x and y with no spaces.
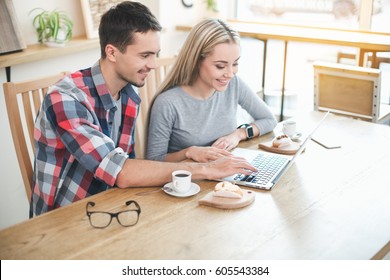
{"x":227,"y":166}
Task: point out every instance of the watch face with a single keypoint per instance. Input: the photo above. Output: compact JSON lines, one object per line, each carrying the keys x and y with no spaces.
{"x":249,"y":132}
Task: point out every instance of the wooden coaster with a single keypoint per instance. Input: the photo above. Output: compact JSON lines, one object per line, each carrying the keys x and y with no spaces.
{"x":228,"y":203}
{"x":286,"y":150}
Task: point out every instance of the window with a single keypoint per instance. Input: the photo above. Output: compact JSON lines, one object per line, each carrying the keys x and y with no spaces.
{"x":371,"y":15}
{"x":347,"y":14}
{"x":380,"y":20}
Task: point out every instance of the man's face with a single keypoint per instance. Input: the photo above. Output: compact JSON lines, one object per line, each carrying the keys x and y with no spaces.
{"x":135,"y":63}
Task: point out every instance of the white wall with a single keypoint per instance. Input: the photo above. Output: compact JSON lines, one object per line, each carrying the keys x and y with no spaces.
{"x":13,"y":201}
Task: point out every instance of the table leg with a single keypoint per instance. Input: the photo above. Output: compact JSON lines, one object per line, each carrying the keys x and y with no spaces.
{"x":284,"y":80}
{"x":264,"y":67}
{"x":360,"y":59}
{"x":374,"y":60}
{"x":382,"y":252}
{"x":8,"y":73}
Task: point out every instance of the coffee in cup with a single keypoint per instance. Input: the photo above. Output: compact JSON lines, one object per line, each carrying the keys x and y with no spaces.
{"x":181,"y":181}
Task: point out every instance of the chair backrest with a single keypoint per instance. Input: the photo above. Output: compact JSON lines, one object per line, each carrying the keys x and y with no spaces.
{"x":148,"y":93}
{"x":23,"y":100}
{"x":349,"y":90}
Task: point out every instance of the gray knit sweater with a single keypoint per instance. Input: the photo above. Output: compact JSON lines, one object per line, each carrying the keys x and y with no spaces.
{"x":179,"y":121}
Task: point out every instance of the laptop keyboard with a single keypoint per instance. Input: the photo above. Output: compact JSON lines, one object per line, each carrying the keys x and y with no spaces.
{"x":267,"y":166}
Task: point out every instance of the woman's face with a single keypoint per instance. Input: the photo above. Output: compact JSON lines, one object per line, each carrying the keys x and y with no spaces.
{"x":217,"y":69}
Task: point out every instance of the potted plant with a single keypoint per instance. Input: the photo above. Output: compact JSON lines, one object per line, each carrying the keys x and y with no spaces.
{"x":212,"y":10}
{"x":54,"y":28}
{"x":212,"y":6}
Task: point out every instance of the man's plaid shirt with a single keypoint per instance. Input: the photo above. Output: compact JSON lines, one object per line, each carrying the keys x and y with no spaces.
{"x":75,"y":156}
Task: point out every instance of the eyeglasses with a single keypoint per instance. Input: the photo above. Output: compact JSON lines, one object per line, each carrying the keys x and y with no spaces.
{"x":126,"y":218}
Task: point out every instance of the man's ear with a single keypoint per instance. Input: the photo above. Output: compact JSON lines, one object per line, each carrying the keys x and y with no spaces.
{"x":111,"y":52}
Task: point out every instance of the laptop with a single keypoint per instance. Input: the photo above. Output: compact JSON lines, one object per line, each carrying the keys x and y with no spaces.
{"x":271,"y":166}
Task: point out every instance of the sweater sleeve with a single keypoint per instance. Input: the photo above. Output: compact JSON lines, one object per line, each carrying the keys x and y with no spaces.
{"x":256,"y":107}
{"x":160,"y":129}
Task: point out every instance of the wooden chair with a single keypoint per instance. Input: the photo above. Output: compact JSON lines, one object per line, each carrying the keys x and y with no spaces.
{"x":349,"y":90}
{"x":376,"y":58}
{"x":23,"y":100}
{"x":148,"y":93}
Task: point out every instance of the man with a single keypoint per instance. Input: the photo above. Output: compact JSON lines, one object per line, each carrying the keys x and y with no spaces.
{"x":84,"y":132}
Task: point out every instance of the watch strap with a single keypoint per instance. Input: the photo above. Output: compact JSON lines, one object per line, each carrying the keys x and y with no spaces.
{"x":248,"y":130}
{"x":243,"y":125}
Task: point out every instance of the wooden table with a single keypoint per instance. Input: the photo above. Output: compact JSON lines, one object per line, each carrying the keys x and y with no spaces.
{"x":331,"y":204}
{"x":365,"y":41}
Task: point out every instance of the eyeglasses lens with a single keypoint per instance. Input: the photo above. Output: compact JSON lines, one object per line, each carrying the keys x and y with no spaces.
{"x":100,"y":220}
{"x":128,"y":218}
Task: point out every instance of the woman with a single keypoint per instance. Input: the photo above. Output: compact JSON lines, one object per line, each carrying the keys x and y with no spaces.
{"x":194,"y":116}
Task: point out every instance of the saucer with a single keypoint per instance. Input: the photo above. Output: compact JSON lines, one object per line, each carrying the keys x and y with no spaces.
{"x":296,"y":137}
{"x":193,"y":190}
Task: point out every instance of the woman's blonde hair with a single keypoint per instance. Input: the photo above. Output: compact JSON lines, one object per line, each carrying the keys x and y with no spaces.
{"x":199,"y":44}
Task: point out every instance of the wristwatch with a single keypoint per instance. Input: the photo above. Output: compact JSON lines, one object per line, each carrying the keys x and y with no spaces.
{"x":248,"y":129}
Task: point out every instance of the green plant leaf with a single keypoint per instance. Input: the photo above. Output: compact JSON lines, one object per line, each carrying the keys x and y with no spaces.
{"x":56,"y":23}
{"x":48,"y":24}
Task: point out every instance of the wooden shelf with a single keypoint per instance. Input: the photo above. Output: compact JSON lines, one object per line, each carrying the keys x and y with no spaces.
{"x":39,"y":51}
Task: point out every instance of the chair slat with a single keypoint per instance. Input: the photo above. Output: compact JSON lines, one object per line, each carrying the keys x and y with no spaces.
{"x":28,"y":93}
{"x":37,"y":97}
{"x":148,"y":93}
{"x":28,"y":116}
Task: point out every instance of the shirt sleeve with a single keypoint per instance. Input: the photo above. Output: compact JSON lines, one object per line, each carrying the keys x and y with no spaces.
{"x":263,"y":117}
{"x":77,"y":126}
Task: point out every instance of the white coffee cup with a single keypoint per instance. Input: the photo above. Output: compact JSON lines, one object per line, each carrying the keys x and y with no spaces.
{"x":181,"y":181}
{"x":289,"y":128}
